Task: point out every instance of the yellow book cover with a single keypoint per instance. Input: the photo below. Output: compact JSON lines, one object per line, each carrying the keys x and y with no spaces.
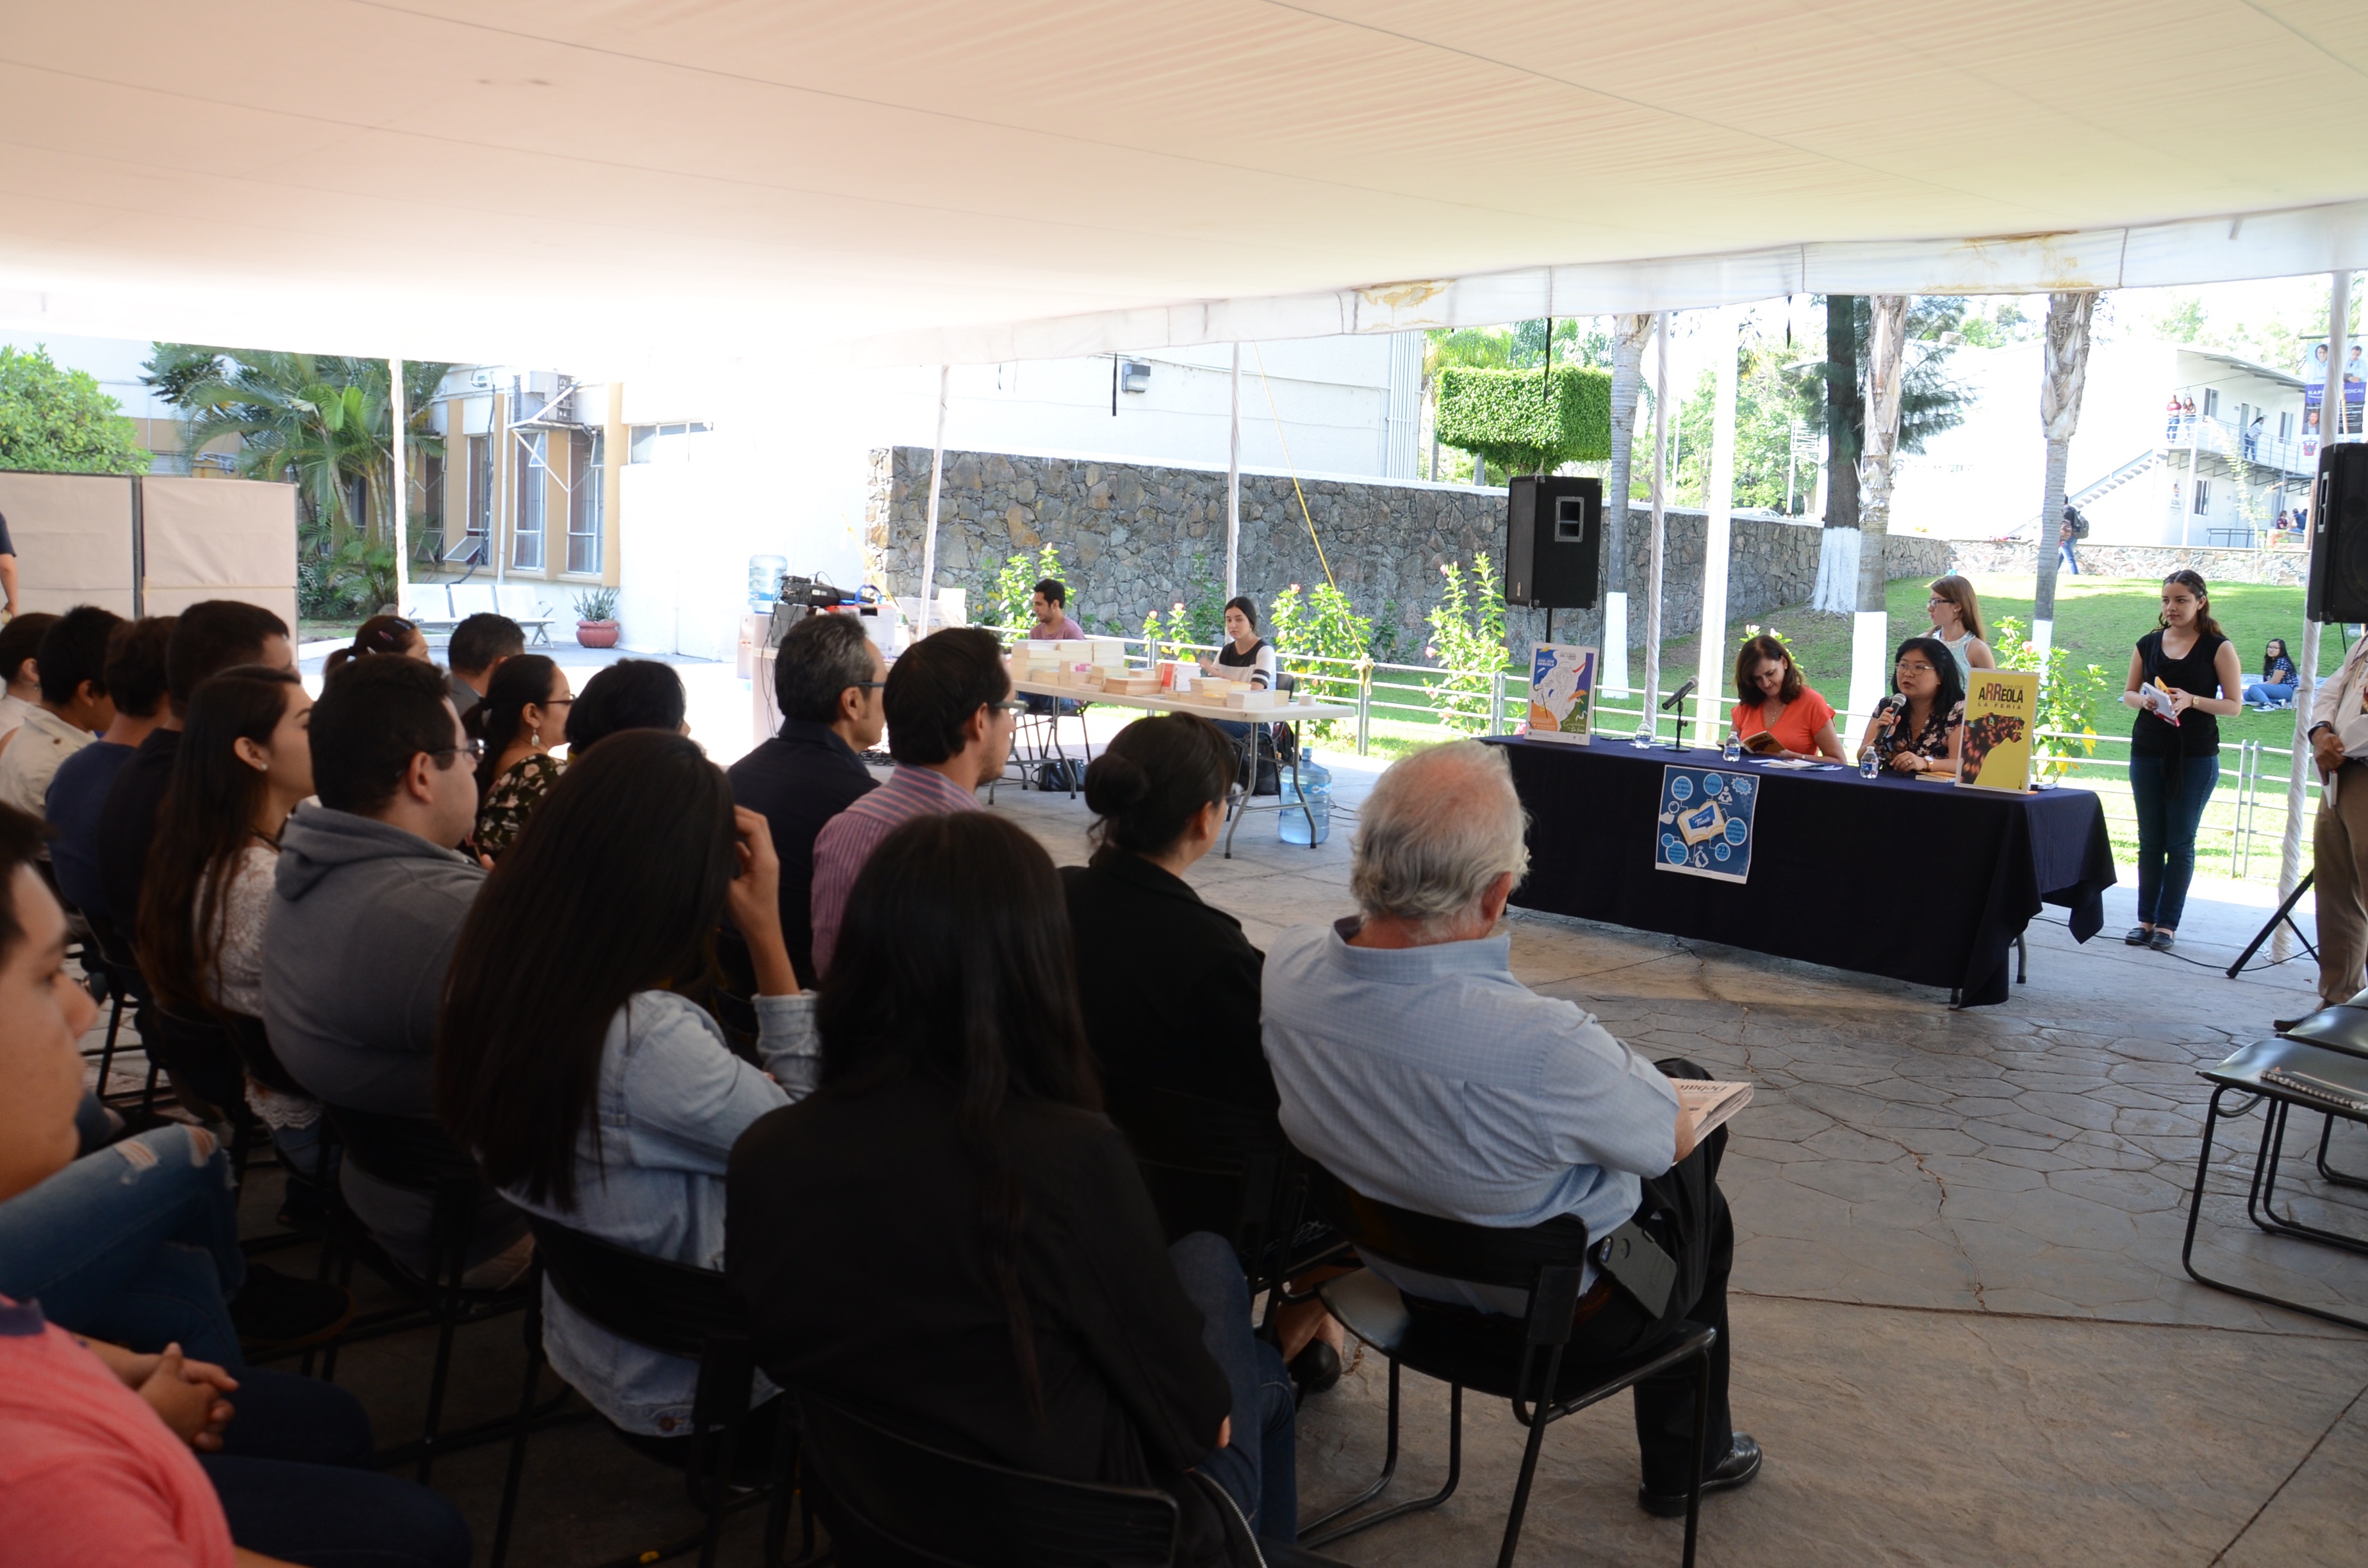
{"x":2001,"y":721}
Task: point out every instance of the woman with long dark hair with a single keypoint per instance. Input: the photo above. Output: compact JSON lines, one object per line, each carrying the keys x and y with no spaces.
{"x":381,"y":634}
{"x":1918,"y":728}
{"x":246,"y":758}
{"x":1776,"y":713}
{"x":949,"y":1234}
{"x":593,"y":1093}
{"x":2184,"y":680}
{"x":523,"y":716}
{"x":2276,"y":686}
{"x":632,"y":694}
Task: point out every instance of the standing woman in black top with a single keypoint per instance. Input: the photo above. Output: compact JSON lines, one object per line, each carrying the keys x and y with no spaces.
{"x":2183,"y":679}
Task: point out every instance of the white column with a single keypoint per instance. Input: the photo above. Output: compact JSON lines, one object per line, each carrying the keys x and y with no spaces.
{"x":1711,"y":676}
{"x":1647,"y":726}
{"x":1233,"y":486}
{"x":2331,"y":422}
{"x":1615,"y":643}
{"x":400,"y":495}
{"x":937,"y":482}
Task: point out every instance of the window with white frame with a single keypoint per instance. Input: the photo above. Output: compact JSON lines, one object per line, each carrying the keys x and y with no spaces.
{"x":585,"y":509}
{"x":666,"y":443}
{"x":533,"y":471}
{"x":481,"y":499}
{"x":2210,"y":401}
{"x":2202,"y":497}
{"x":2285,"y":426}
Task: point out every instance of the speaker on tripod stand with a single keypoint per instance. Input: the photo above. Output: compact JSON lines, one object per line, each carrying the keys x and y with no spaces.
{"x":2339,"y":550}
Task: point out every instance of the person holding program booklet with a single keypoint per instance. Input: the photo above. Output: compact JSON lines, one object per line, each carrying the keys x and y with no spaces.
{"x":1779,"y":714}
{"x":2184,"y":678}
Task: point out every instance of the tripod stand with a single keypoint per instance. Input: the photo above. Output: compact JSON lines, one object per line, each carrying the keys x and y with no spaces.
{"x":2286,"y":912}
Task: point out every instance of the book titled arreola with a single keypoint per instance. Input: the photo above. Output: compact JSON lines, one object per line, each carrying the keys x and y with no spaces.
{"x":1562,"y":693}
{"x":2001,"y":720}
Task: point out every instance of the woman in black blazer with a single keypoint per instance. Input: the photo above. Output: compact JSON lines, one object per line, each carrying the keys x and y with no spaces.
{"x":1169,"y":986}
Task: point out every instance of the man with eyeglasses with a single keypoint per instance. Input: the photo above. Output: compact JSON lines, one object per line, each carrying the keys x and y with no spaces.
{"x":950,"y":714}
{"x":828,"y":678}
{"x":366,"y":908}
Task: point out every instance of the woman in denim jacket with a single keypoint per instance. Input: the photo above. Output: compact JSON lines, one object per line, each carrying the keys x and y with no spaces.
{"x":595,"y":1093}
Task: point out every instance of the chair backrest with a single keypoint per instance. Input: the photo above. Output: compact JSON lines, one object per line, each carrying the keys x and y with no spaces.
{"x":1211,"y":1166}
{"x":1481,"y":1253}
{"x":428,"y":601}
{"x":520,"y":601}
{"x":881,"y":1489}
{"x":122,"y":962}
{"x":670,"y":1307}
{"x":410,"y":1152}
{"x":472,"y":599}
{"x":2343,"y":1027}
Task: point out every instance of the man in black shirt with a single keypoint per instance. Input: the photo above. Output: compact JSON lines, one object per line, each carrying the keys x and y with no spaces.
{"x":827,"y":678}
{"x":207,"y":638}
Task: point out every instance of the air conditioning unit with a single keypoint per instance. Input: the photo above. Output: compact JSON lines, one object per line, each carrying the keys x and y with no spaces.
{"x":481,"y":380}
{"x":1135,"y":376}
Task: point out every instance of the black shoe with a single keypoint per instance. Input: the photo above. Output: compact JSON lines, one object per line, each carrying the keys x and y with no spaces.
{"x":2138,"y":936}
{"x":1741,"y":1463}
{"x":275,"y":1312}
{"x":1314,"y":1369}
{"x":2160,"y":941}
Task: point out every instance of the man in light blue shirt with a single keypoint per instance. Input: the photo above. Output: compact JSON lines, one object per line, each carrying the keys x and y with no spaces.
{"x":1414,"y":1066}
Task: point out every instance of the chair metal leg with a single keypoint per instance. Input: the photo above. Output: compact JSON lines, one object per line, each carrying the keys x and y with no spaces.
{"x":2211,"y":1114}
{"x":2330,"y":1172}
{"x":516,"y":1474}
{"x":2022,"y":960}
{"x":1701,"y":1427}
{"x":1521,"y":1488}
{"x":1389,"y":1466}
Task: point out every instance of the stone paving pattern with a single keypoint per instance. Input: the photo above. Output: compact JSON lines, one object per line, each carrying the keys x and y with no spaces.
{"x":1961,"y":1328}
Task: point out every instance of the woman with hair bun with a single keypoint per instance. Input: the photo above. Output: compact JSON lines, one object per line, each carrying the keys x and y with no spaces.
{"x":381,"y":634}
{"x":1169,"y":987}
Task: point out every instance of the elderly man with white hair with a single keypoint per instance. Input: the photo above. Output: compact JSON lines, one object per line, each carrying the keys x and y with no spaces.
{"x":1417,"y":1070}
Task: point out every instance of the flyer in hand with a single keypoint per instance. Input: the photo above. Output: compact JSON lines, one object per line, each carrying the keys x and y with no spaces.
{"x":1710,"y":1102}
{"x":1706,"y":823}
{"x":1562,"y":693}
{"x":2001,"y":720}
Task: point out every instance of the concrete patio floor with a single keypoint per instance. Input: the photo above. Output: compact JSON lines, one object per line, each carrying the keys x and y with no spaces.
{"x":1961,"y":1329}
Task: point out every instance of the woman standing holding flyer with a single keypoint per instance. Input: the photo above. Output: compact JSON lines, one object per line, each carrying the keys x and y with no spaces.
{"x":2183,"y":678}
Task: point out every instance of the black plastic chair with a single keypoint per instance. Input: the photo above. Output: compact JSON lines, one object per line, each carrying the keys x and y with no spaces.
{"x":1466,"y":1350}
{"x":891,"y":1501}
{"x":414,"y":1153}
{"x":105,"y":955}
{"x":676,"y":1310}
{"x":1211,"y":1165}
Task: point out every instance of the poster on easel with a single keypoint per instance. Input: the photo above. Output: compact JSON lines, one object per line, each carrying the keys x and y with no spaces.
{"x":2001,"y":721}
{"x":1708,"y":823}
{"x":1562,"y":693}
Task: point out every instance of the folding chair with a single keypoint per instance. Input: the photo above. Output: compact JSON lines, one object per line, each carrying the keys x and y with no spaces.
{"x":891,"y":1501}
{"x":1466,"y":1350}
{"x":679,"y":1311}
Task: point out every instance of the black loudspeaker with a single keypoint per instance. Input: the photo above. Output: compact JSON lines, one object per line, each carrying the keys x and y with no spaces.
{"x":2339,"y":551}
{"x":1553,"y":541}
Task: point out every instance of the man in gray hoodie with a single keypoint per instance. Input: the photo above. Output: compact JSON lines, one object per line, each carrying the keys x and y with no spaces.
{"x":366,"y":908}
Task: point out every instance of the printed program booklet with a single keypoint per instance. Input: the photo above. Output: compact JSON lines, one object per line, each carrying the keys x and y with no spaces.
{"x":2001,"y":721}
{"x":1562,"y":693}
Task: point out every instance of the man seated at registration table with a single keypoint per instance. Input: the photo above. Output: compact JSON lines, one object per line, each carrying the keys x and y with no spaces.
{"x":1414,"y":1066}
{"x":1050,"y":607}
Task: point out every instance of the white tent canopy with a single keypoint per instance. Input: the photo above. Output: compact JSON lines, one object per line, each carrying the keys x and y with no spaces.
{"x":550,"y":181}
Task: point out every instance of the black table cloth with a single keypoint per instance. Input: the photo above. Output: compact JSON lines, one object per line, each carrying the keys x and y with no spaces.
{"x":1923,"y":883}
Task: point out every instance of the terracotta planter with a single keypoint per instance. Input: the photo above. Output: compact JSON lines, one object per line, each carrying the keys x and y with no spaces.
{"x":595,"y":633}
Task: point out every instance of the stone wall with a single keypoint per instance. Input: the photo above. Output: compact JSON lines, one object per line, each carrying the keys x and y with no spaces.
{"x":1129,"y":535}
{"x":2152,"y":562}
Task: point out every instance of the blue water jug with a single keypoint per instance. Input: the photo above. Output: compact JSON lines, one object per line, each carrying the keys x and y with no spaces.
{"x":1314,"y":792}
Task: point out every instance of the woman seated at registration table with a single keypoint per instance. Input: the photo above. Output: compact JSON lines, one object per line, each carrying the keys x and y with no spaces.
{"x":1776,"y":704}
{"x":948,"y":1235}
{"x":1919,"y":727}
{"x":1244,"y":657}
{"x":593,"y":1093}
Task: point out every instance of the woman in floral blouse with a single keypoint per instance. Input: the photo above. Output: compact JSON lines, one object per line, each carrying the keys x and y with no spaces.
{"x":1917,"y":729}
{"x":523,"y":716}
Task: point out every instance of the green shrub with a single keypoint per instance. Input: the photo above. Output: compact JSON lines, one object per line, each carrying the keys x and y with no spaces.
{"x":1468,"y":636}
{"x":1506,"y":417}
{"x":1003,"y":599}
{"x":2066,"y":696}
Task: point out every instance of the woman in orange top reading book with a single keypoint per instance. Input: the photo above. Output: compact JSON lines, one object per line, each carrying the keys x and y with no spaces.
{"x":1780,"y":715}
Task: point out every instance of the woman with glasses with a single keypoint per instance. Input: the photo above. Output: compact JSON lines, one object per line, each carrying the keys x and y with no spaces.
{"x":1956,"y":612}
{"x":2184,"y":680}
{"x":381,"y":634}
{"x":2276,"y":686}
{"x":1917,"y":729}
{"x":523,"y":716}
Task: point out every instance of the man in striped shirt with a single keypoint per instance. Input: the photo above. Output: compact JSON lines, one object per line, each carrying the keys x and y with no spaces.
{"x":949,"y":722}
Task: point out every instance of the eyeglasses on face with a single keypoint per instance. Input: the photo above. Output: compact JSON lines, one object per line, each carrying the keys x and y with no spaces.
{"x":1916,"y":669}
{"x":472,"y":750}
{"x":1012,"y":708}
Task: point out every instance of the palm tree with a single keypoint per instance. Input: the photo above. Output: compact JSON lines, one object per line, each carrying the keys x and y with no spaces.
{"x":324,"y":423}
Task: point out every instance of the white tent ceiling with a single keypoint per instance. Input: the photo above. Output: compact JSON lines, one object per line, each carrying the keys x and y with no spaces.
{"x":588,"y":180}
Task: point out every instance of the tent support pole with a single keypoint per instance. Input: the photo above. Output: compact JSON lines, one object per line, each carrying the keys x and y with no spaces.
{"x":400,"y":492}
{"x":1233,"y":486}
{"x":2333,"y":422}
{"x":1711,"y":677}
{"x":1648,"y":727}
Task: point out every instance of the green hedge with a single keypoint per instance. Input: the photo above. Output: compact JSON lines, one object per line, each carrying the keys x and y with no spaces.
{"x":1505,"y":418}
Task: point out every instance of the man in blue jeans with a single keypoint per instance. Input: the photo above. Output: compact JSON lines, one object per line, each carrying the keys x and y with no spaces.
{"x":288,"y":1458}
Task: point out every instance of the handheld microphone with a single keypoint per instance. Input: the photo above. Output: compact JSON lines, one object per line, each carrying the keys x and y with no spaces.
{"x":1670,"y":702}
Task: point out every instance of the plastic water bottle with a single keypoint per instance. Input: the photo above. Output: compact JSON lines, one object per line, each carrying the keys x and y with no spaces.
{"x":1733,"y":750}
{"x":1868,"y":765}
{"x":1315,"y":793}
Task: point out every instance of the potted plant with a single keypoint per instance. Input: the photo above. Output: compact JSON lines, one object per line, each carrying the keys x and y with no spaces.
{"x":596,"y":619}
